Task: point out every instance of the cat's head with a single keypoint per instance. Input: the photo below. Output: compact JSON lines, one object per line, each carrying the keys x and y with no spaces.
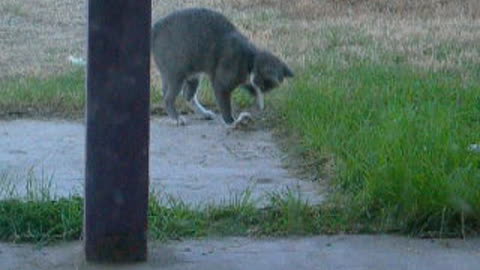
{"x":269,"y":71}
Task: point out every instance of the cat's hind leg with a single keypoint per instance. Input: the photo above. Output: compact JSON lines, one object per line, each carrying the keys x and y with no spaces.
{"x":170,"y":95}
{"x":190,"y":92}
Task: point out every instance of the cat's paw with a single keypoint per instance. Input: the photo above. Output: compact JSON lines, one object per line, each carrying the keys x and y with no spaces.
{"x":208,"y":115}
{"x":244,"y":118}
{"x":242,"y":122}
{"x":180,"y":121}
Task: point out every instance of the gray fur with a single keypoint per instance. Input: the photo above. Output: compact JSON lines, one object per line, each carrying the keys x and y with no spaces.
{"x":196,"y":41}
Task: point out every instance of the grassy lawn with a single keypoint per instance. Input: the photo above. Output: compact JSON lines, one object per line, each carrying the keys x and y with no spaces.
{"x":384,"y":106}
{"x":62,"y":95}
{"x":399,"y":139}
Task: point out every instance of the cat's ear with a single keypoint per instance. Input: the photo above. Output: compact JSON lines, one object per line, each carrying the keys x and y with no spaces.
{"x":287,"y":72}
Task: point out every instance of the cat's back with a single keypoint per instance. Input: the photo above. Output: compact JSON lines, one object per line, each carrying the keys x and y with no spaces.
{"x":192,"y":23}
{"x":188,"y":41}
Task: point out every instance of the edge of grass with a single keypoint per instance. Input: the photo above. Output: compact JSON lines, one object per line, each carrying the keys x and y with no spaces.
{"x":46,"y":220}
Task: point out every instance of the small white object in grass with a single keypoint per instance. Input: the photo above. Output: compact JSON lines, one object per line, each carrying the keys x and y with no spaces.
{"x":474,"y":148}
{"x":77,"y":61}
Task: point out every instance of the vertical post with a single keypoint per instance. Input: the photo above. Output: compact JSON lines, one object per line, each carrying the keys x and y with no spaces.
{"x":117,"y":139}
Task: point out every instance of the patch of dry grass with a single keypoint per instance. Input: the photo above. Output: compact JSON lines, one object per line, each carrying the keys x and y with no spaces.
{"x":433,"y":34}
{"x":37,"y":37}
{"x":316,"y":9}
{"x":12,"y":9}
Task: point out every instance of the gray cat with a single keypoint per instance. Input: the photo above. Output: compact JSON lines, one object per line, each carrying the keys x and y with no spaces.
{"x":195,"y":41}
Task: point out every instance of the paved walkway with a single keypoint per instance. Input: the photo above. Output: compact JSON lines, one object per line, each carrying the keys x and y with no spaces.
{"x":197,"y":163}
{"x":317,"y":253}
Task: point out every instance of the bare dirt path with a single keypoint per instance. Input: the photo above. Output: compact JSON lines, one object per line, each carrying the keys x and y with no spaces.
{"x":198,"y":163}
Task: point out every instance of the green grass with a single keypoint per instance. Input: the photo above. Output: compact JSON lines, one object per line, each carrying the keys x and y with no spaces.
{"x":399,"y":139}
{"x":41,"y":221}
{"x":62,"y":95}
{"x":45,"y":220}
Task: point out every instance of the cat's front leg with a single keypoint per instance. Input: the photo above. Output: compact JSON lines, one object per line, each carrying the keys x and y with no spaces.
{"x":224,"y":102}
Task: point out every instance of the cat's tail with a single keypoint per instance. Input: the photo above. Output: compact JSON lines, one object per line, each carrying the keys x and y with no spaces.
{"x":153,"y":35}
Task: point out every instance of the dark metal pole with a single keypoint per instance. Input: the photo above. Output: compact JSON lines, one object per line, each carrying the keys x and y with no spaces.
{"x":118,"y":92}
